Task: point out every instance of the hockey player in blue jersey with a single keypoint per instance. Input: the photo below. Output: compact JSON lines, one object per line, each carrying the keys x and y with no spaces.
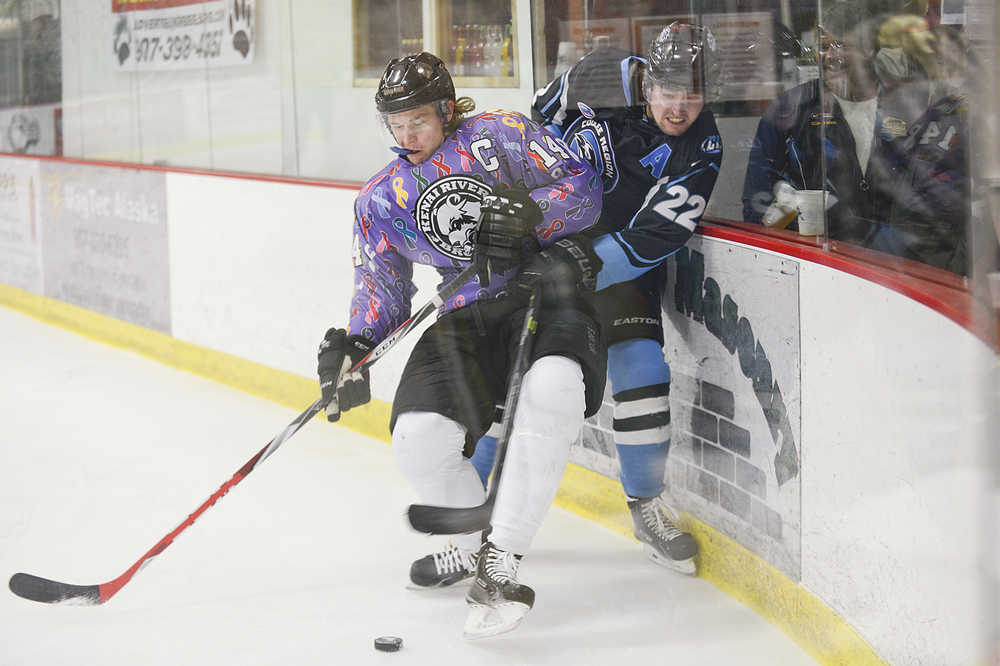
{"x":658,"y":155}
{"x":453,"y":176}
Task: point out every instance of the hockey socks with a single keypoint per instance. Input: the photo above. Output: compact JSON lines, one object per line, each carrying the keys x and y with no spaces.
{"x":548,"y":418}
{"x":640,"y":383}
{"x":486,"y":449}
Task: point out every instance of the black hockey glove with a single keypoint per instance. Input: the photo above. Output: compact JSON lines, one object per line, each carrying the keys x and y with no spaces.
{"x":341,"y":389}
{"x":506,"y":235}
{"x":563,"y":269}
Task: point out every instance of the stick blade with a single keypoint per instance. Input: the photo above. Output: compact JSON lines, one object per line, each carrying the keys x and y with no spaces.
{"x":449,"y":520}
{"x":43,"y":590}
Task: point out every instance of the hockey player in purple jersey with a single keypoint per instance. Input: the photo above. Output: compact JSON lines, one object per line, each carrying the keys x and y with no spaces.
{"x":501,"y":172}
{"x":658,"y":154}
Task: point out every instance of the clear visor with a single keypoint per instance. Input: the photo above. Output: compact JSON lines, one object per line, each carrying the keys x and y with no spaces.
{"x":394,"y":126}
{"x":684,"y":85}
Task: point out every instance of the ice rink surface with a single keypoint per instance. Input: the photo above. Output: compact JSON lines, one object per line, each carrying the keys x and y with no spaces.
{"x":305,"y":562}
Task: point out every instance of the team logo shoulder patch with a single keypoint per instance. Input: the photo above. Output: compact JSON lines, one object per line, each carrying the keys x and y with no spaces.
{"x":712,"y":145}
{"x":447,"y":212}
{"x":586,"y":110}
{"x":591,"y":141}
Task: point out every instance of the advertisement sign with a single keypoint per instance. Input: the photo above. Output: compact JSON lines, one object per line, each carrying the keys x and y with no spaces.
{"x":154,"y":35}
{"x":745,"y":46}
{"x":978,"y":20}
{"x":731,"y":331}
{"x":20,"y":229}
{"x":105,"y":243}
{"x":31,"y":130}
{"x":952,"y":12}
{"x":645,"y":28}
{"x":731,"y":317}
{"x":584,"y":33}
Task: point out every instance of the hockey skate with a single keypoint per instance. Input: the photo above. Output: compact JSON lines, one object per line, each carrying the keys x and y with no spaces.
{"x":497,"y":602}
{"x":442,"y":569}
{"x":663,"y":542}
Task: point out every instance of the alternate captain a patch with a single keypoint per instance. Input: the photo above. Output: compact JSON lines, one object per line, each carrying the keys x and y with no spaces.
{"x":589,"y":139}
{"x":447,"y":212}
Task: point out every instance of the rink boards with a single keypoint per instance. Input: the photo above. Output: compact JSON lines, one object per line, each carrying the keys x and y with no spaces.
{"x":822,"y":420}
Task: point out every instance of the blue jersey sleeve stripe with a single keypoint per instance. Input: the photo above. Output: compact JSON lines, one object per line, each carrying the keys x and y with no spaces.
{"x":557,"y":96}
{"x":631,"y":223}
{"x":630,"y":251}
{"x":625,"y":84}
{"x":686,"y":176}
{"x":649,"y":263}
{"x":629,"y":99}
{"x":616,"y":265}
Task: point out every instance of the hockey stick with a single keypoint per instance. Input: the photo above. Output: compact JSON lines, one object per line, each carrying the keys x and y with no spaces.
{"x":48,"y":591}
{"x":465,"y":520}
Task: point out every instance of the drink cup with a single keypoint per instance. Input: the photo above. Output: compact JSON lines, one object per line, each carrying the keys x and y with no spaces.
{"x":811,"y":205}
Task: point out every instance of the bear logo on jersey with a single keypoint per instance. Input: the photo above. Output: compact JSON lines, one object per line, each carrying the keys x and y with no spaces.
{"x":447,"y":212}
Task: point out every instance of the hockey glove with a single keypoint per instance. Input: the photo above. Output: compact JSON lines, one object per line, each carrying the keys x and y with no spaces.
{"x":506,"y":232}
{"x":342,"y":390}
{"x":563,"y":269}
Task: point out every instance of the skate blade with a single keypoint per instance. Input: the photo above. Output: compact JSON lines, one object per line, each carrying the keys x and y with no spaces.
{"x":485,"y":621}
{"x":686,"y":567}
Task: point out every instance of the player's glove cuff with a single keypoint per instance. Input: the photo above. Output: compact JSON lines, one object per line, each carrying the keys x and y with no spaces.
{"x":568,"y":265}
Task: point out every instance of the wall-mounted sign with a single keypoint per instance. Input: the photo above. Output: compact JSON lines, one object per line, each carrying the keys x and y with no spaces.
{"x":148,"y":35}
{"x":20,"y":229}
{"x":105,"y":242}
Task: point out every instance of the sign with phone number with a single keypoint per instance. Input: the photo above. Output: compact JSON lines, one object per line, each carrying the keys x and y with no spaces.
{"x":181,"y":34}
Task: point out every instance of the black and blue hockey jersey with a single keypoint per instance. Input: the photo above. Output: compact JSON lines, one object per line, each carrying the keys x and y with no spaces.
{"x":656,"y":187}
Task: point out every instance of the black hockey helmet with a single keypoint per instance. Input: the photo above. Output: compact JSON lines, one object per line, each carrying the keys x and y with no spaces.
{"x":683,"y":56}
{"x":413,"y":81}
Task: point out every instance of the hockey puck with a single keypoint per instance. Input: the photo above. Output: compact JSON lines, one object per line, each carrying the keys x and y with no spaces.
{"x":388,"y":643}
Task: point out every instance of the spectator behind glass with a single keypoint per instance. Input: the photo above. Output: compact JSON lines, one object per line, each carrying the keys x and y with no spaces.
{"x":934,"y":208}
{"x":841,"y":138}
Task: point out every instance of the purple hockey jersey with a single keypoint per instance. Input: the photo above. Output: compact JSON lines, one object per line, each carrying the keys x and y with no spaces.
{"x":429,"y":213}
